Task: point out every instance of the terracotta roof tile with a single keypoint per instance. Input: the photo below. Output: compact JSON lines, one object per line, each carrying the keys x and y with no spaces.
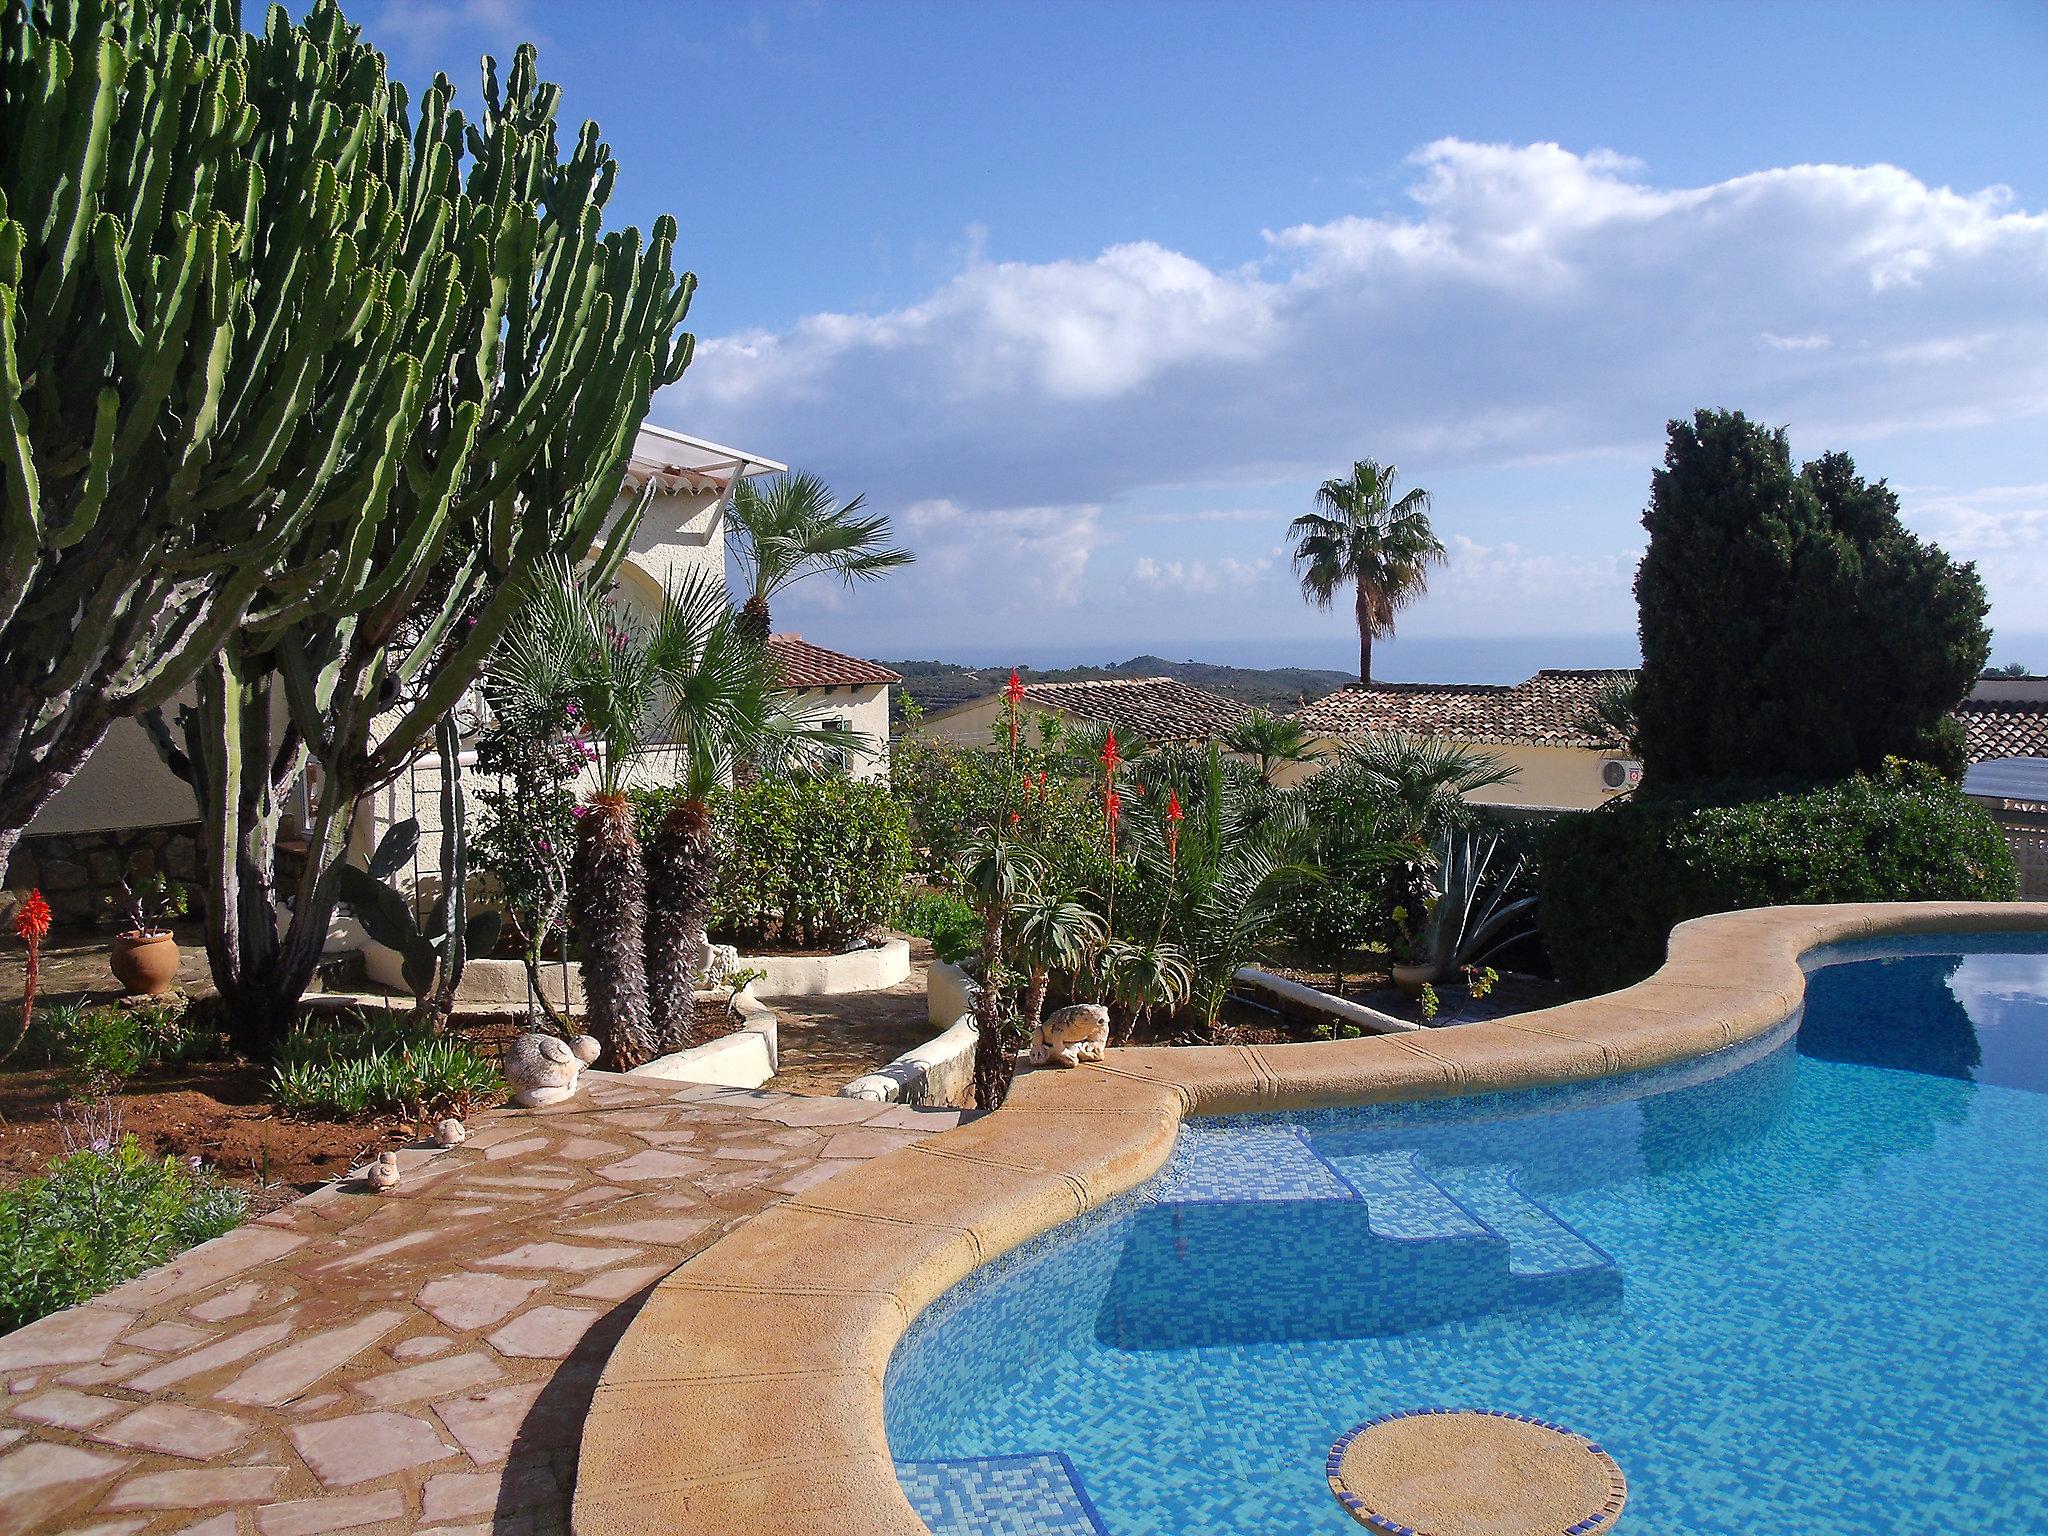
{"x":1552,"y":709}
{"x":803,"y":665}
{"x":1159,"y":708}
{"x":2004,"y":728}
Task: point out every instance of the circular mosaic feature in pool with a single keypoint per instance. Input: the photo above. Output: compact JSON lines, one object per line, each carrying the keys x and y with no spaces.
{"x":1474,"y":1472}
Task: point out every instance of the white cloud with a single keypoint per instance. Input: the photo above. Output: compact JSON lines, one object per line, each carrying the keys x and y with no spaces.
{"x":1226,"y":574}
{"x":1531,"y":306}
{"x":423,"y":35}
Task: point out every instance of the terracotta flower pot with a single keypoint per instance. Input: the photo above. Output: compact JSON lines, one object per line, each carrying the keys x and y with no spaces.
{"x":1411,"y":979}
{"x":145,"y":963}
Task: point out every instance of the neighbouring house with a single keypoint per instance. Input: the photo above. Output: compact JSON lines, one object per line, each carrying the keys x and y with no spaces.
{"x":125,"y":802}
{"x":843,"y":694}
{"x":1546,"y":728}
{"x":2005,"y":721}
{"x":1160,"y":709}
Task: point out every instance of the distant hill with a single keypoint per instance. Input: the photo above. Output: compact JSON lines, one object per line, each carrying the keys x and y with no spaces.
{"x":938,"y":685}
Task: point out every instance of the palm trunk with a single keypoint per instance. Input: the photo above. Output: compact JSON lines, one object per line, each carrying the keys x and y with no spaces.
{"x":755,"y":618}
{"x":682,"y":871}
{"x":611,"y":929}
{"x":1034,"y":999}
{"x":1364,"y":639}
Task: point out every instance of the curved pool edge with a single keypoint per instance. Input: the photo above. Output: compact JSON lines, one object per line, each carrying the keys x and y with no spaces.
{"x":747,"y":1394}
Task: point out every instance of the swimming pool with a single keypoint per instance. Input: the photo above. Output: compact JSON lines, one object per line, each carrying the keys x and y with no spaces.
{"x":1794,"y":1286}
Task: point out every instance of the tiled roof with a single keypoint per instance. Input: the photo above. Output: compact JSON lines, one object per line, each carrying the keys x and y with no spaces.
{"x":1552,"y":709}
{"x":2004,"y":728}
{"x":803,"y":665}
{"x":1158,"y":708}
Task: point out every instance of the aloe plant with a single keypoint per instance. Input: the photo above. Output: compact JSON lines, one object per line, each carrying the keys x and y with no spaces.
{"x":220,"y":315}
{"x":529,"y":342}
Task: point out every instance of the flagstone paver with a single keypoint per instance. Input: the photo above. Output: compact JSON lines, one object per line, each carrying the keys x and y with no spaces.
{"x":417,"y":1361}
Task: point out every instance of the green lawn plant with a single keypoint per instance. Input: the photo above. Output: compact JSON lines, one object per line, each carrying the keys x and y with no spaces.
{"x":361,"y":1065}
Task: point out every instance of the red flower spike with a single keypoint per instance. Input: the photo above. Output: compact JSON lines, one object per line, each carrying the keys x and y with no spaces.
{"x":1110,"y":758}
{"x":1016,"y":817}
{"x":32,"y":919}
{"x":1173,"y":821}
{"x":1173,"y":812}
{"x":1015,"y":694}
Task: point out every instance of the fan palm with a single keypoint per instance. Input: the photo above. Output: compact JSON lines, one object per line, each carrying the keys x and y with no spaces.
{"x":1364,"y":536}
{"x":996,"y":874}
{"x":1275,"y":740}
{"x":1425,"y":778}
{"x":792,"y":527}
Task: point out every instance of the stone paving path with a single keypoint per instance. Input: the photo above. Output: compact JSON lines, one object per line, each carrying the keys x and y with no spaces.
{"x":417,"y":1361}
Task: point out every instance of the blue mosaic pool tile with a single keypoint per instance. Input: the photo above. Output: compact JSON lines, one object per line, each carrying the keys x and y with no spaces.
{"x":1538,"y":1243}
{"x":1037,"y":1494}
{"x":1250,"y":1162}
{"x":1402,"y":1200}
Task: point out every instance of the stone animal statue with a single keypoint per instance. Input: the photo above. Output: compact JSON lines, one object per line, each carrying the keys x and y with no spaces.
{"x":1069,"y":1036}
{"x":542,"y":1069}
{"x":382,"y":1175}
{"x":450,"y":1133}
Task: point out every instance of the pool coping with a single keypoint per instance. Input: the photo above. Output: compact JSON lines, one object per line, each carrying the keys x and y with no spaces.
{"x":747,"y":1394}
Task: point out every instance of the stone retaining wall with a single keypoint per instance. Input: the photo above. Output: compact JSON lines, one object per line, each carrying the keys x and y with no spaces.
{"x":79,"y":873}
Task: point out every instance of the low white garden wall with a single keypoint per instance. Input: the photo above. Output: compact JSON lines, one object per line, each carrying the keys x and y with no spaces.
{"x":744,"y":1059}
{"x":1310,"y":1000}
{"x":938,"y":1072}
{"x":949,"y":992}
{"x":873,"y":969}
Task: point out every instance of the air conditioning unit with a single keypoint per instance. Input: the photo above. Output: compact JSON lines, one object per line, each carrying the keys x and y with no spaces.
{"x":1619,"y":773}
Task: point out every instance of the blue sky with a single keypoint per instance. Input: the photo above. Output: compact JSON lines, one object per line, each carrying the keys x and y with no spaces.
{"x":1090,"y":297}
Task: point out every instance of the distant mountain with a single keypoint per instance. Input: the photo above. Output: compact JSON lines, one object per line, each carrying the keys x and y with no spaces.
{"x":938,"y":685}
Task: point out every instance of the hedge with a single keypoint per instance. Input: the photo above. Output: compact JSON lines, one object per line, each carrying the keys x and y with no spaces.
{"x":817,"y":862}
{"x":1616,"y":881}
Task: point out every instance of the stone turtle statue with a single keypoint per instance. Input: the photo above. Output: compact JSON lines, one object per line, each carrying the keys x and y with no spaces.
{"x":1069,"y":1036}
{"x":542,"y":1069}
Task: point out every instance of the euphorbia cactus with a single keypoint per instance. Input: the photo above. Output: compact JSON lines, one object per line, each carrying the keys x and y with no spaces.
{"x":209,"y":344}
{"x":529,"y":344}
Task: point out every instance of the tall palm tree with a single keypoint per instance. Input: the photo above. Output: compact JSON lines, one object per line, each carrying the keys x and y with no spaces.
{"x":1275,"y":740}
{"x":793,"y":527}
{"x":1363,"y":535}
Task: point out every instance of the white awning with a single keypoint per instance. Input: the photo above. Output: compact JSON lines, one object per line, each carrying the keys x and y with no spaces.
{"x":679,"y":462}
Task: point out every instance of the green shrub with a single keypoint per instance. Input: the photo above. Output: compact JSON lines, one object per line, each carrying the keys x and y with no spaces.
{"x":1615,"y":881}
{"x":809,"y":861}
{"x":950,"y":924}
{"x":356,"y":1066}
{"x":111,"y":1043}
{"x":99,"y":1216}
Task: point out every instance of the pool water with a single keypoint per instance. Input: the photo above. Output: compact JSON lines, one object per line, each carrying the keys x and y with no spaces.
{"x":1800,"y":1286}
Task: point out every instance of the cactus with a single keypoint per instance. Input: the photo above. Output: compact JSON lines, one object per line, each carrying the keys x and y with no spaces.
{"x":525,"y":345}
{"x":204,"y":348}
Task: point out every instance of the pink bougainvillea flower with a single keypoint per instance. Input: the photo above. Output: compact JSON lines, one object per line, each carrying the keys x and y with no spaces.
{"x":578,"y":810}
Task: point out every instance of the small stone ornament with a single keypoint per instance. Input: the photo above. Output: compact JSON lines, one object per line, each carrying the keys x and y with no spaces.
{"x":542,"y":1069}
{"x":450,"y":1133}
{"x":1070,"y":1036}
{"x":382,"y":1175}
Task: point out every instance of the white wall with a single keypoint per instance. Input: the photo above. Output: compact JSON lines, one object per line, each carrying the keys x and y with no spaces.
{"x":865,"y":711}
{"x":1563,"y":777}
{"x":123,"y":784}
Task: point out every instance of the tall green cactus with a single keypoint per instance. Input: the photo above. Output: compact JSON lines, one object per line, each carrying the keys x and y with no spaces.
{"x":531,"y":343}
{"x":204,"y":307}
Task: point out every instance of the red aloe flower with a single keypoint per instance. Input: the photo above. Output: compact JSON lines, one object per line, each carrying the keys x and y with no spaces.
{"x":32,"y":923}
{"x":1015,"y":694}
{"x":1110,"y":757}
{"x":1112,"y":807}
{"x":1173,"y":821}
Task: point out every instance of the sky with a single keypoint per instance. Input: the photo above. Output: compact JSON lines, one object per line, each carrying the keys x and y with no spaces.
{"x":1089,"y":298}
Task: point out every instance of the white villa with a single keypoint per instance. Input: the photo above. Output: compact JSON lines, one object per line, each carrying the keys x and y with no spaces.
{"x":124,"y":800}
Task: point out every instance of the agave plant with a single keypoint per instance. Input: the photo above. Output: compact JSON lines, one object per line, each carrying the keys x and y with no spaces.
{"x":1482,"y":904}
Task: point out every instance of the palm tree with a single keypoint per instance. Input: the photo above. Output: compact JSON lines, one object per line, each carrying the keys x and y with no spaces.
{"x":996,"y":874}
{"x":792,"y":527}
{"x":1274,"y":740}
{"x":1425,"y":779}
{"x":717,"y":700}
{"x":1363,"y":535}
{"x":569,"y":646}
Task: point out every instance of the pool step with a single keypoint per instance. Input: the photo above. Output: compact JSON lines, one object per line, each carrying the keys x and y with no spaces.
{"x":1539,"y":1245}
{"x":1401,"y":1200}
{"x":1036,"y":1494}
{"x":1264,"y":1162}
